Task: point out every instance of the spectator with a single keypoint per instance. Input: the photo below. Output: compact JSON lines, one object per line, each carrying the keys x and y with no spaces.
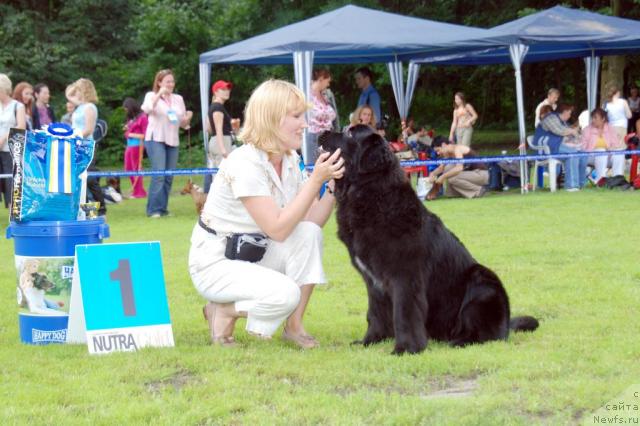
{"x":322,"y":113}
{"x":468,"y":180}
{"x":12,"y":114}
{"x":219,"y":122}
{"x":600,"y":136}
{"x":618,"y":112}
{"x":551,"y":100}
{"x":634,"y":106}
{"x":134,"y":131}
{"x":464,"y":117}
{"x":167,"y":114}
{"x":23,"y":92}
{"x":82,"y":94}
{"x":70,"y":107}
{"x":369,"y":95}
{"x":41,"y":112}
{"x":554,"y":127}
{"x":260,"y":189}
{"x":574,"y":167}
{"x":364,"y":115}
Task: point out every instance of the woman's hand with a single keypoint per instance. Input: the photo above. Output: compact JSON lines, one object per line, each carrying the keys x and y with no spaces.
{"x":440,"y":179}
{"x":328,"y":166}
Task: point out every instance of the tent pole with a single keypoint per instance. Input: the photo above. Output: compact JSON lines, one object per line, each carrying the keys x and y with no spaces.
{"x":302,"y":68}
{"x":412,"y":79}
{"x":518,"y":52}
{"x":397,"y":83}
{"x":205,"y":77}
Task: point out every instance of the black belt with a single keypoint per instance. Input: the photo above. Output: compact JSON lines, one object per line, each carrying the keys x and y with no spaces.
{"x":205,"y":227}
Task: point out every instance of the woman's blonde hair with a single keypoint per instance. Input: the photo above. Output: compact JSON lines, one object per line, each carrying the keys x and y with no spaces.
{"x":355,"y":117}
{"x":611,"y":91}
{"x":268,"y":105}
{"x":84,"y":88}
{"x":5,"y":84}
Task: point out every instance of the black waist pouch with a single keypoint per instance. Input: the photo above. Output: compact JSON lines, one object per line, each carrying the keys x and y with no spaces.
{"x":247,"y":247}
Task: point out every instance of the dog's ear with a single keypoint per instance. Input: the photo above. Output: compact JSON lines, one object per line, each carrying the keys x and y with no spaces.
{"x":373,"y":155}
{"x":331,"y":141}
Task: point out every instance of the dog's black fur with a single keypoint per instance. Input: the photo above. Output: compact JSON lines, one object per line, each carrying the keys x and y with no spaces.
{"x":421,"y":281}
{"x":41,"y":282}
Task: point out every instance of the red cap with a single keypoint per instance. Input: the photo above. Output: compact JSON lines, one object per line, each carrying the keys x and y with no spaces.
{"x":221,"y":84}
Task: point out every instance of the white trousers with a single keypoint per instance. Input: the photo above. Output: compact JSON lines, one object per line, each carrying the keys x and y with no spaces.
{"x":269,"y":290}
{"x":600,"y":163}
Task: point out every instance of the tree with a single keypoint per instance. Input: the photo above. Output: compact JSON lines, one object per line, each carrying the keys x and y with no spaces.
{"x":612,"y":74}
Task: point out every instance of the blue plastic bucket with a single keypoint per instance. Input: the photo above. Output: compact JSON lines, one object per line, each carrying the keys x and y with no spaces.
{"x":44,"y":257}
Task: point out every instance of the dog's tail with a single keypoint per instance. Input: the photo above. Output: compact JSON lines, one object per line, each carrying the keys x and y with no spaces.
{"x":523,"y":323}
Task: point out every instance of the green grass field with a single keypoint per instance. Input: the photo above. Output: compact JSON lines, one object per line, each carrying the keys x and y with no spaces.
{"x":569,"y":259}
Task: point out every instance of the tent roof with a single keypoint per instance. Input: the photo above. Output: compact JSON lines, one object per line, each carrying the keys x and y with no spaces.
{"x":351,"y":34}
{"x":555,"y":33}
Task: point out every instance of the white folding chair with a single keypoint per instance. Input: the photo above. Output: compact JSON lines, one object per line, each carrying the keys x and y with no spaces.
{"x":551,"y":163}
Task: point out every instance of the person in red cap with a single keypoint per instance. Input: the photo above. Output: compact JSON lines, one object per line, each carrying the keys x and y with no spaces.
{"x":220,"y":128}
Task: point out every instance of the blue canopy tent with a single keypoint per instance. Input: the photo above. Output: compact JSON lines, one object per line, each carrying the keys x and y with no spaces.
{"x":349,"y":34}
{"x":552,"y":34}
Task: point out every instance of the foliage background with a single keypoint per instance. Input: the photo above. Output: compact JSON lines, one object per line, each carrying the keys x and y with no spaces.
{"x":121,"y":44}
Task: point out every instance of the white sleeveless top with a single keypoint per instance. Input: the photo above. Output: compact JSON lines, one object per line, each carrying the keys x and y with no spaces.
{"x":616,"y":114}
{"x":8,"y":119}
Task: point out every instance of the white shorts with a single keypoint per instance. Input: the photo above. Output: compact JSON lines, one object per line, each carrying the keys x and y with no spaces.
{"x":267,"y":290}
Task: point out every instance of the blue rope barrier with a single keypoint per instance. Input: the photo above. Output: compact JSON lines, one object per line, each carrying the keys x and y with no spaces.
{"x":410,"y":163}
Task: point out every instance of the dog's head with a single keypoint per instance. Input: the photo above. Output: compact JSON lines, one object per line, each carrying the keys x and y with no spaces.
{"x":187,"y":187}
{"x":363,"y":150}
{"x":41,"y":282}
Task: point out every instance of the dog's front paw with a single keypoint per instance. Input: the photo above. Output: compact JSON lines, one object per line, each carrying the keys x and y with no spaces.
{"x":372,"y":340}
{"x":407,"y":348}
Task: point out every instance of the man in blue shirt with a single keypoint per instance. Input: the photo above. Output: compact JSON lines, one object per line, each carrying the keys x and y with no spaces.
{"x":369,"y":95}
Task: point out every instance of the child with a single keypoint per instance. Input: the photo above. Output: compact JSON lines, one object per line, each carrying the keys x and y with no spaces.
{"x":134,"y":131}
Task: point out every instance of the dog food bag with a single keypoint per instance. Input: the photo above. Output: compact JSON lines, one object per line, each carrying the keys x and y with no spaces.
{"x":46,"y":172}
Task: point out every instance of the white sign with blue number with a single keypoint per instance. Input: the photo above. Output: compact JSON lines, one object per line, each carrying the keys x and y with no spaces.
{"x":118,"y":298}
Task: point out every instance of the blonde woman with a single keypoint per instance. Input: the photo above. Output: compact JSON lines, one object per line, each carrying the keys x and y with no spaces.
{"x":12,"y":114}
{"x":464,"y":117}
{"x":259,"y":189}
{"x":167,"y":114}
{"x":364,"y":115}
{"x":82,"y":94}
{"x":618,"y":113}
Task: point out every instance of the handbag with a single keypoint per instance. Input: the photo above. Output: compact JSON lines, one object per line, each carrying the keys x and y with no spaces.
{"x":247,"y":247}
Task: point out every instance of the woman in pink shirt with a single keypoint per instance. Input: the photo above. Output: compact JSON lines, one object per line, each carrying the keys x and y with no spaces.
{"x":134,"y":132}
{"x":166,"y":113}
{"x":601,"y":136}
{"x":321,"y":115}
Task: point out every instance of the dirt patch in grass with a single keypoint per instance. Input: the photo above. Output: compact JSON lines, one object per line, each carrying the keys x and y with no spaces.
{"x":443,"y":387}
{"x":453,"y":387}
{"x":177,"y":381}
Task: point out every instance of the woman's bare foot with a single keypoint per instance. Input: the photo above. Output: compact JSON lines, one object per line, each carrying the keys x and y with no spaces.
{"x":305,"y":341}
{"x":221,"y":323}
{"x":225,"y":320}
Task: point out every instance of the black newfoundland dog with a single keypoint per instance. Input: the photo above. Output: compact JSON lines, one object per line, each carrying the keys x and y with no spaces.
{"x":421,"y":280}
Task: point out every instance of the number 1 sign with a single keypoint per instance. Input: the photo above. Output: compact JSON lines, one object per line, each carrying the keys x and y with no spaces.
{"x":118,"y":298}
